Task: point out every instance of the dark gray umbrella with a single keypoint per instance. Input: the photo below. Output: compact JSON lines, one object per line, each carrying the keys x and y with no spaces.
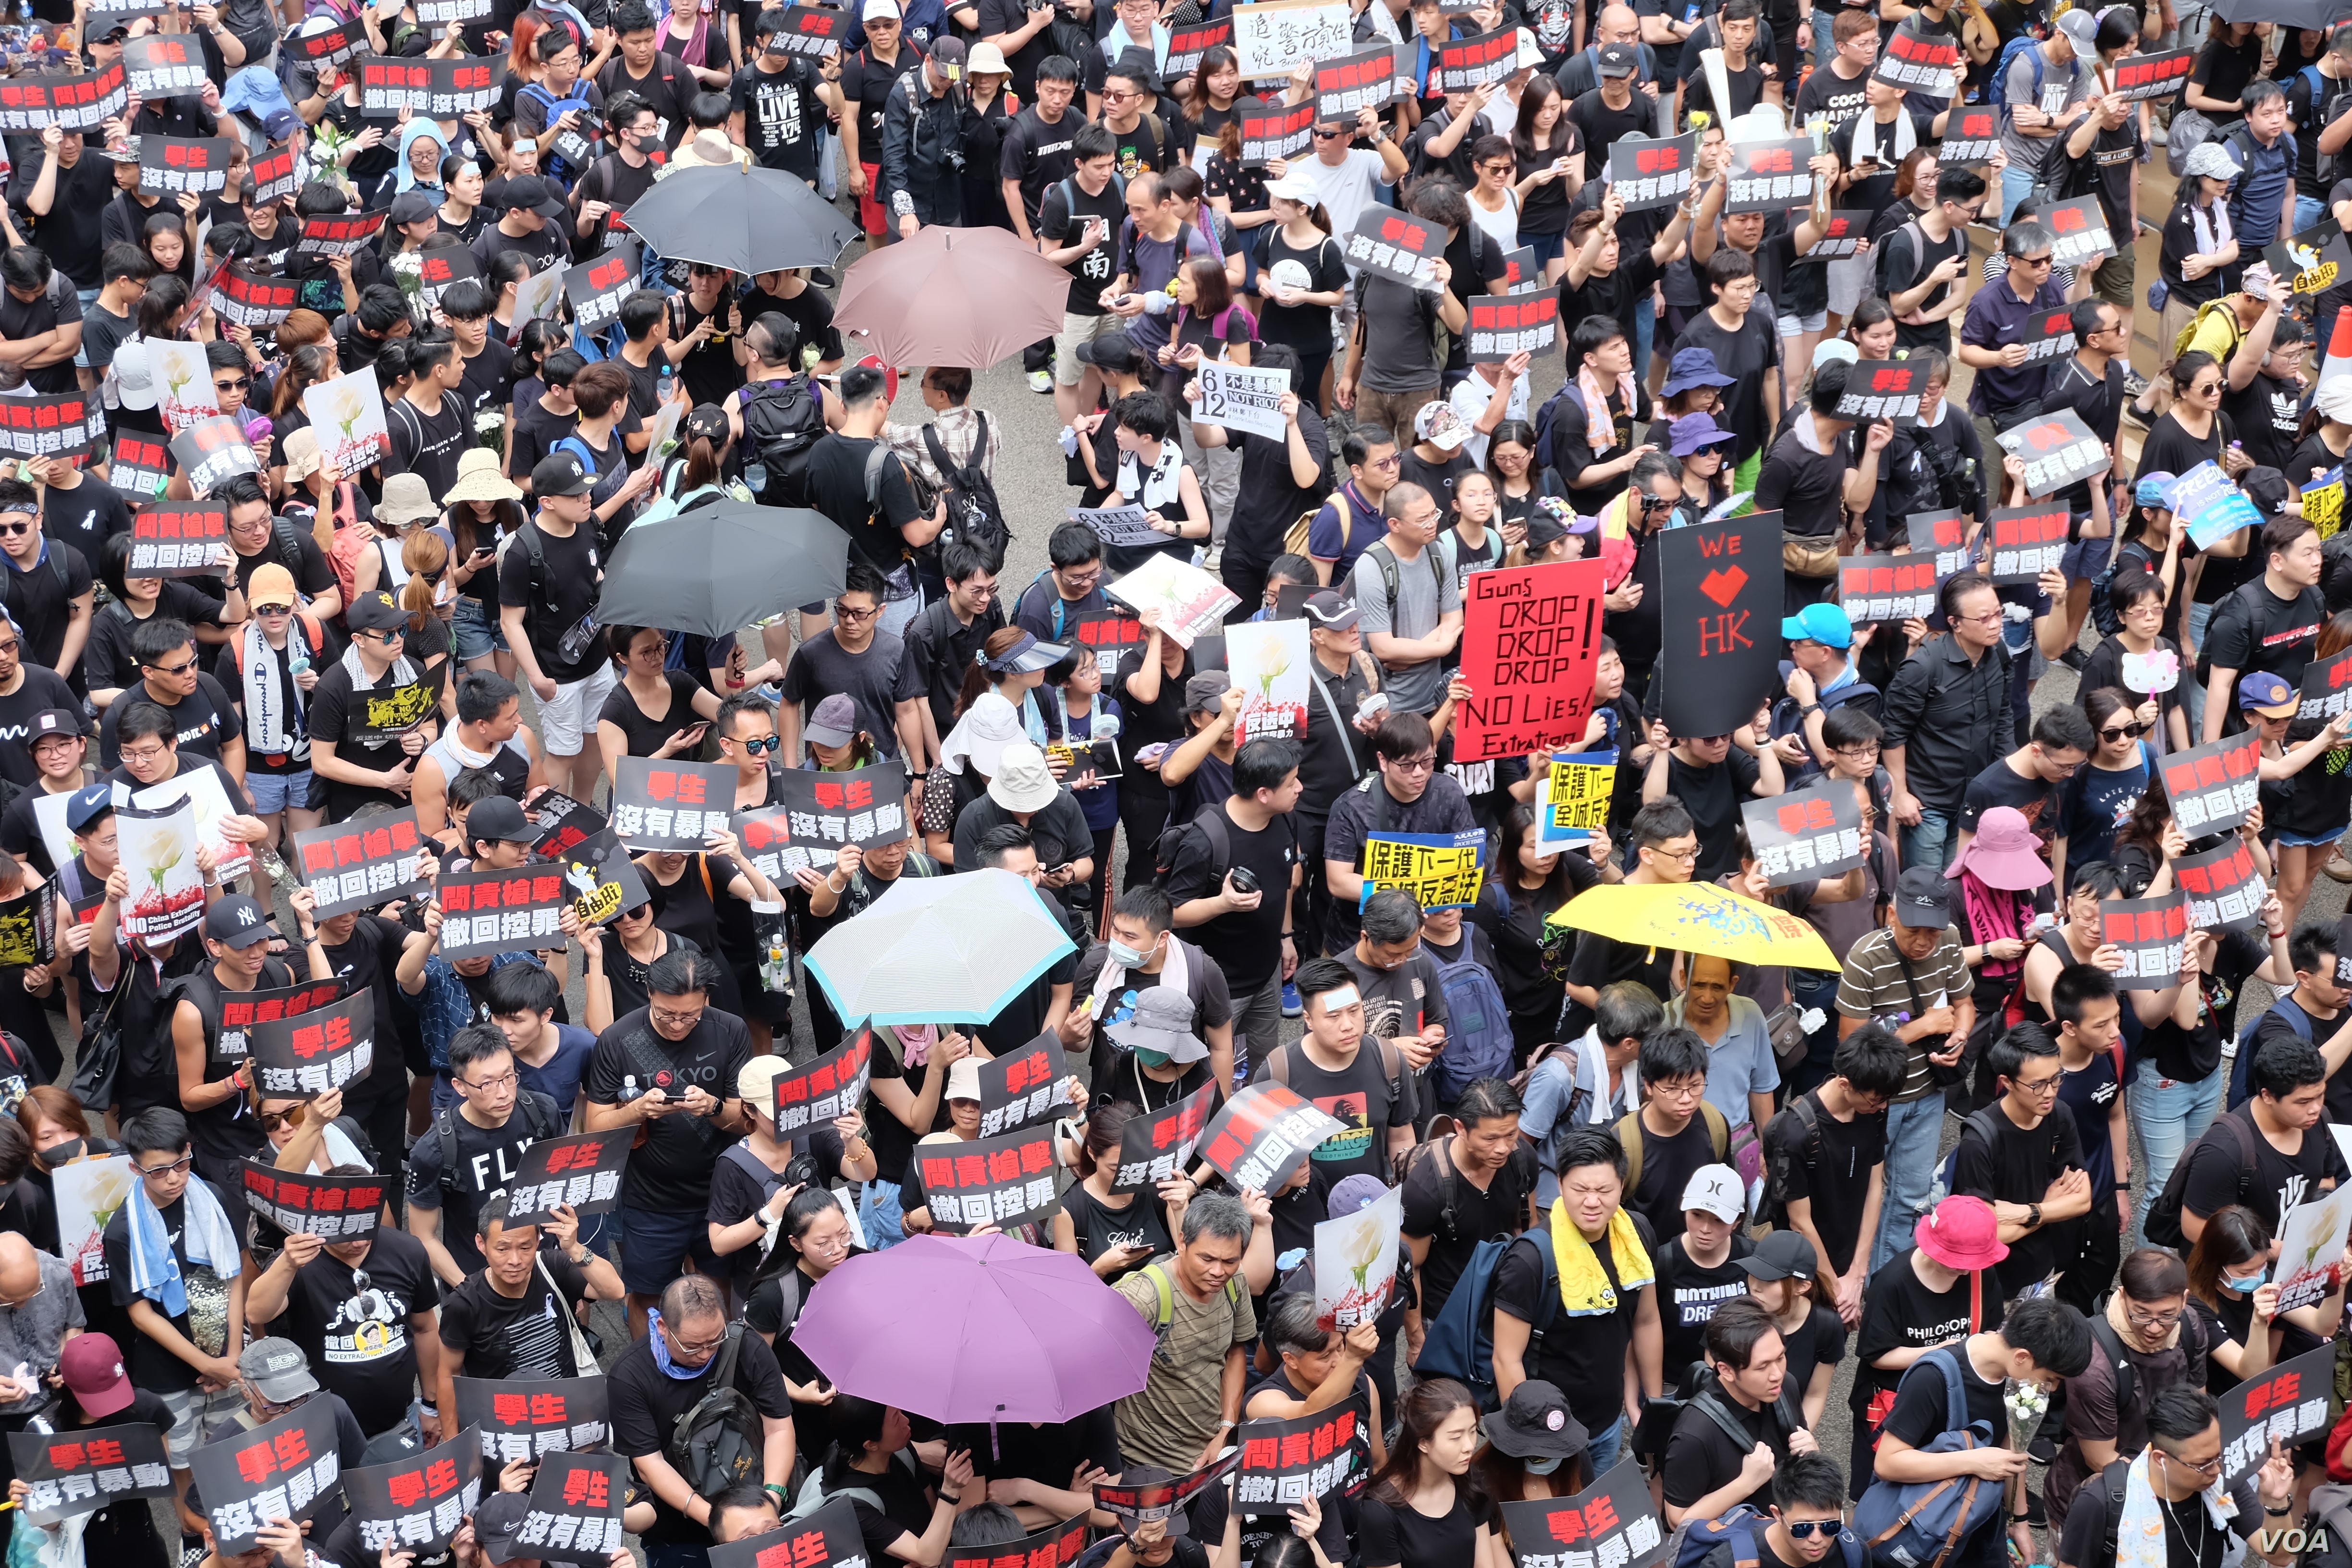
{"x":748,"y":220}
{"x":717,"y":569}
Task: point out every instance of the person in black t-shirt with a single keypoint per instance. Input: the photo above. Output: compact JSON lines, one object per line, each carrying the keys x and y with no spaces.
{"x":1232,"y":880}
{"x":2293,"y":1159}
{"x":511,"y":1317}
{"x":2271,"y":623}
{"x":1825,"y":1158}
{"x":1706,"y":1472}
{"x":2031,"y":779}
{"x":2030,"y":1170}
{"x":777,"y":103}
{"x":1468,"y":1188}
{"x":880,"y":532}
{"x":548,"y":585}
{"x":1677,"y":1130}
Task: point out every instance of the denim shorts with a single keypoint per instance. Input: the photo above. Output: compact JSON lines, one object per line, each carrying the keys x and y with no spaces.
{"x":273,"y":793}
{"x":2309,"y":840}
{"x":2085,"y":558}
{"x":473,"y":631}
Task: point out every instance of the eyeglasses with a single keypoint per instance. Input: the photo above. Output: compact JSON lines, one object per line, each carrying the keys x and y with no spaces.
{"x":1416,"y":765}
{"x":693,"y":1347}
{"x":143,"y":755}
{"x":2135,"y":730}
{"x":9,"y":650}
{"x":17,"y":1303}
{"x":2206,"y":389}
{"x":1991,"y":618}
{"x":2042,"y":260}
{"x":273,"y":609}
{"x":176,"y":1167}
{"x":2036,"y":1087}
{"x":271,"y":1120}
{"x":2152,"y":1320}
{"x":1687,"y":857}
{"x":844,"y":613}
{"x":1331,"y":136}
{"x":388,"y":638}
{"x":506,"y":1080}
{"x":2212,"y":1467}
{"x":757,"y":743}
{"x":1112,"y":96}
{"x":181,"y":668}
{"x":668,"y":1016}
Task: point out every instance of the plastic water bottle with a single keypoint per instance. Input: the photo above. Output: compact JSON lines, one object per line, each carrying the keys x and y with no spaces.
{"x":629,"y":1090}
{"x":669,"y":383}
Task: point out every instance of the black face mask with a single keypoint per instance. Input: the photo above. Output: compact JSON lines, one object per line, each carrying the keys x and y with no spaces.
{"x":60,"y":1153}
{"x":649,"y":144}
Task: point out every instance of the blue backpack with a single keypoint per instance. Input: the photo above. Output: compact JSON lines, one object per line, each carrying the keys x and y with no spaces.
{"x":1478,"y":1025}
{"x":1925,"y":1524}
{"x":1461,"y":1343}
{"x":2242,"y":1071}
{"x":1698,"y":1538}
{"x":1997,"y":90}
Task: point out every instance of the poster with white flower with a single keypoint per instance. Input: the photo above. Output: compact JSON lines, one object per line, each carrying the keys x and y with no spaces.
{"x":1267,"y":661}
{"x":158,"y":853}
{"x":201,"y":788}
{"x":1356,"y":1262}
{"x":2312,"y":1239}
{"x":348,"y":415}
{"x":86,"y":1193}
{"x":185,"y":382}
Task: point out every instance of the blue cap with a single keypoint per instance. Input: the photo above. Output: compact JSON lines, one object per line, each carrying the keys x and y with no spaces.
{"x":2151,"y":488}
{"x":1823,"y":624}
{"x":88,"y":806}
{"x":1693,"y":367}
{"x":254,"y":91}
{"x":1354,"y":1193}
{"x":2267,"y":694}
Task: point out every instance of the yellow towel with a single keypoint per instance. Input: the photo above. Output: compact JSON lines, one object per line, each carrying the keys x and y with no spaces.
{"x":1584,"y":1287}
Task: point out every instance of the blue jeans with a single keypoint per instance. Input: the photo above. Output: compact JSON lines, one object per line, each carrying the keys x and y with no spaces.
{"x":1645,"y":326}
{"x":2199,"y":616}
{"x":2016,"y":184}
{"x":878,"y":1212}
{"x":2169,"y":1115}
{"x":1930,"y":843}
{"x":1912,"y":1130}
{"x":1601,"y":1451}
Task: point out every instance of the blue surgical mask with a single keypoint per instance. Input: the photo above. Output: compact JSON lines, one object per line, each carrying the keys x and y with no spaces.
{"x":1126,"y":957}
{"x":1541,"y":1467}
{"x":2247,"y":1285}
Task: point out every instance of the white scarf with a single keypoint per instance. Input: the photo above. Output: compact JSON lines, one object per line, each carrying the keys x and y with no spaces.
{"x":1159,"y":490}
{"x":1866,"y":139}
{"x":2212,"y":225}
{"x":1175,"y":972}
{"x":2140,"y":1535}
{"x":270,"y":730}
{"x":401,"y":673}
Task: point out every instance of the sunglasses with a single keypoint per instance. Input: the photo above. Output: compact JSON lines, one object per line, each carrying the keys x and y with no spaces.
{"x":760,"y":743}
{"x":271,"y":1120}
{"x":13,"y":529}
{"x":2119,"y":732}
{"x":1803,"y":1529}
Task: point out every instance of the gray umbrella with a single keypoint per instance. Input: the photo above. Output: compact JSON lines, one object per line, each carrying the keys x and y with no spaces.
{"x":717,"y":569}
{"x":749,"y":220}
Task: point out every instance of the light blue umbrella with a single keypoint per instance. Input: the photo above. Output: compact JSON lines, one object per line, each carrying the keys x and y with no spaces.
{"x":940,"y":949}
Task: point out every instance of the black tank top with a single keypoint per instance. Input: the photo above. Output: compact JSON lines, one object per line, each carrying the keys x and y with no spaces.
{"x":226,"y":1131}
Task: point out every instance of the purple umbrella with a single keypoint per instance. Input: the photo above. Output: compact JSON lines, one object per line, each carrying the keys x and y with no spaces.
{"x":970,"y":1328}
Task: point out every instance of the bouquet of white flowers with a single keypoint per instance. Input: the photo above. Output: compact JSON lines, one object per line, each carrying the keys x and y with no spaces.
{"x":2027,"y":1404}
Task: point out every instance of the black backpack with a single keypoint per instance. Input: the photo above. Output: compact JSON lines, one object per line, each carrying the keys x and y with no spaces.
{"x":541,"y":1119}
{"x":783,"y":423}
{"x":974,"y":514}
{"x":719,"y":1443}
{"x":2163,"y":1226}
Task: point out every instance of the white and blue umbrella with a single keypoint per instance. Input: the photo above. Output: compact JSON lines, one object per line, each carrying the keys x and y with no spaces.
{"x":940,"y":949}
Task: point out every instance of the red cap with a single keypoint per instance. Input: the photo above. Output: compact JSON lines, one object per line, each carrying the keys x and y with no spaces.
{"x":93,"y":1369}
{"x":1961,"y":1233}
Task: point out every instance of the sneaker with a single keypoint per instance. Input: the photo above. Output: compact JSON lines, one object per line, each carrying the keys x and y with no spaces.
{"x":192,"y":1552}
{"x":1041,"y":380}
{"x":823,"y":279}
{"x":2133,"y":416}
{"x":2135,"y":385}
{"x":1291,"y":1006}
{"x":2337,"y":869}
{"x":2075,"y":658}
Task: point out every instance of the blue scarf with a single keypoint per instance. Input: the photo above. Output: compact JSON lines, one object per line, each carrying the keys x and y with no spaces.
{"x":661,"y":1351}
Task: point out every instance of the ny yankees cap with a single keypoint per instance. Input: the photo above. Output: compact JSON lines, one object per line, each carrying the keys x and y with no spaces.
{"x":237,"y":921}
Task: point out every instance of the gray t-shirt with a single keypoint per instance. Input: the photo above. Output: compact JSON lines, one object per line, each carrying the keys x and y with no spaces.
{"x":34,"y":1334}
{"x":1423,"y":596}
{"x":2062,"y":87}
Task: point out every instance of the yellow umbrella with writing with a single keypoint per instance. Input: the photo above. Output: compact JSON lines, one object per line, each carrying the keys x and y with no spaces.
{"x":1699,"y":918}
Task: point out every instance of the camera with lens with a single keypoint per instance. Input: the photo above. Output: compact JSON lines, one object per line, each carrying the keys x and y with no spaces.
{"x":1243,"y":879}
{"x":800,"y":1171}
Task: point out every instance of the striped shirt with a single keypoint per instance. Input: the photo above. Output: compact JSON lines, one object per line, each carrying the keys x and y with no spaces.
{"x":1874,"y":986}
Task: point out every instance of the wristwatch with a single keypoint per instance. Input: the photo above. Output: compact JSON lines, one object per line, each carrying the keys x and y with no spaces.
{"x":2033,"y":1216}
{"x":1809,"y":710}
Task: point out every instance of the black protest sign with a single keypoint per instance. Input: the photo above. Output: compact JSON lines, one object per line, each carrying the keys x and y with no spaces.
{"x":334,"y":1208}
{"x":1942,"y":534}
{"x":435,"y":13}
{"x":1843,"y":234}
{"x":51,"y":425}
{"x":1465,"y":65}
{"x":1500,"y":327}
{"x":1611,"y":1520}
{"x":1186,"y":45}
{"x":84,"y":102}
{"x":1021,"y":1089}
{"x":380,"y":713}
{"x":2287,"y":1405}
{"x":1884,"y":389}
{"x":139,"y":469}
{"x":2027,"y":540}
{"x":1285,"y":1463}
{"x":1140,"y":1504}
{"x":815,"y":31}
{"x":576,"y":1508}
{"x":604,"y":881}
{"x":659,"y":803}
{"x":1887,"y":588}
{"x":1271,"y":131}
{"x":415,"y":1504}
{"x":1107,"y":635}
{"x":27,"y":929}
{"x":333,"y":237}
{"x":247,"y":298}
{"x":1920,"y":60}
{"x":2148,"y":932}
{"x":1055,"y":1546}
{"x":1972,"y":134}
{"x":1348,"y":86}
{"x":213,"y":451}
{"x":1159,"y":1146}
{"x":2326,"y":688}
{"x":1770,"y":176}
{"x":164,"y":65}
{"x":324,"y":1049}
{"x":329,"y":46}
{"x":2212,"y":786}
{"x":2058,"y":451}
{"x":1807,"y":834}
{"x":1648,"y":173}
{"x":439,"y":271}
{"x":1531,"y":639}
{"x":581,"y":1171}
{"x":528,"y":1418}
{"x":280,"y":1471}
{"x":1004,"y":1182}
{"x":1120,"y":525}
{"x":866,"y":806}
{"x":807,"y":1099}
{"x":1262,"y":1133}
{"x":1521,"y":271}
{"x":2158,"y":75}
{"x":242,"y":1012}
{"x":176,"y":163}
{"x":2079,"y":232}
{"x":485,"y":911}
{"x":597,"y":288}
{"x":829,"y":1538}
{"x":563,"y":824}
{"x":185,"y":539}
{"x":276,"y":173}
{"x":1388,"y":242}
{"x":87,"y":1468}
{"x":2047,"y":334}
{"x":2225,"y":889}
{"x":1720,"y":602}
{"x":361,"y":863}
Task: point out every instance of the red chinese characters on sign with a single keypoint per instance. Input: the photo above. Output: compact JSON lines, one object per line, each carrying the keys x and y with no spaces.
{"x":2041,"y":528}
{"x":91,"y":1455}
{"x":529,"y":1409}
{"x":1570,"y":1525}
{"x":243,"y":1013}
{"x":684,"y":789}
{"x":586,"y":1489}
{"x":1660,"y":160}
{"x":290,"y":1450}
{"x":805,"y":1550}
{"x":505,"y":892}
{"x":1404,"y":232}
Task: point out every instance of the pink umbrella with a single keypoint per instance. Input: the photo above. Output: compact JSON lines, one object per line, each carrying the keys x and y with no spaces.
{"x":970,"y":1328}
{"x":965,"y":297}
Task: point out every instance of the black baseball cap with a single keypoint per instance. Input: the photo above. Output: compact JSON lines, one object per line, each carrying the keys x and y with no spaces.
{"x":1923,"y":899}
{"x":532,"y":192}
{"x":561,"y":474}
{"x":237,"y":921}
{"x":499,"y":820}
{"x":55,"y":722}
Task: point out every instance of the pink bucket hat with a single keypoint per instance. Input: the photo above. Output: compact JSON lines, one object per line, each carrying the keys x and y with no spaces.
{"x":2002,"y":852}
